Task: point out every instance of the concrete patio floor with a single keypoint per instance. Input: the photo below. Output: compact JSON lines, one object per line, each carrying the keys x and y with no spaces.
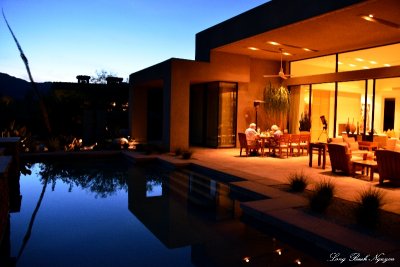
{"x":275,"y":171}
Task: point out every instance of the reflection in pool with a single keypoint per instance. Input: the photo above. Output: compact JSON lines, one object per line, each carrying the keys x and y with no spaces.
{"x":112,"y":213}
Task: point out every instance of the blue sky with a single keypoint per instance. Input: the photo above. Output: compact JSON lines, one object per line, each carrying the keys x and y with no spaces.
{"x":63,"y":39}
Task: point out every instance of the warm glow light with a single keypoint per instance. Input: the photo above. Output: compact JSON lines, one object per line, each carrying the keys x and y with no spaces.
{"x":307,"y":49}
{"x":370,"y":17}
{"x":246,"y":259}
{"x":252,"y":48}
{"x":278,"y":251}
{"x":286,"y":54}
{"x":340,"y":63}
{"x":352,"y":65}
{"x":273,"y":43}
{"x":386,"y":65}
{"x":365,"y":67}
{"x":298,"y":262}
{"x":360,"y":59}
{"x":373,"y":62}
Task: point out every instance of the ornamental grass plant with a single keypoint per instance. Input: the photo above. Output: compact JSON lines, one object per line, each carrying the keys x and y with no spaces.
{"x":368,"y":209}
{"x":298,"y":181}
{"x":322,"y":196}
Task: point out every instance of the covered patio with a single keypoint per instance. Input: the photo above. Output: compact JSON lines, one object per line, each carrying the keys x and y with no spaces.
{"x":270,"y":171}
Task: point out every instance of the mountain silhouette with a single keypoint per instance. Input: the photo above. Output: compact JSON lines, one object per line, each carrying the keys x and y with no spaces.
{"x":18,"y":88}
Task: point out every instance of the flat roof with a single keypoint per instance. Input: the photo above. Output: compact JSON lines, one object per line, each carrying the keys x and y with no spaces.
{"x":325,"y":27}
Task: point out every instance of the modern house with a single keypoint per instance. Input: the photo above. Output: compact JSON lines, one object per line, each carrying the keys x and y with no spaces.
{"x":342,"y":57}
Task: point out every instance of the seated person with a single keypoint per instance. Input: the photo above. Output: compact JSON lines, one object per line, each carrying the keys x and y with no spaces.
{"x":252,"y":135}
{"x":276,"y":131}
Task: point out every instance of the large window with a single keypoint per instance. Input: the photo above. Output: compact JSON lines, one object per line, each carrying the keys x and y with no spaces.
{"x":387,"y":106}
{"x":377,"y":57}
{"x":313,"y":66}
{"x":350,"y":107}
{"x":322,"y":104}
{"x":371,"y":105}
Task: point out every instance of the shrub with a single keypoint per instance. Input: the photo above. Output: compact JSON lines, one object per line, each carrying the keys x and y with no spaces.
{"x":369,"y":203}
{"x":54,"y":144}
{"x":178,"y":151}
{"x":322,"y":196}
{"x":187,"y":154}
{"x":298,"y":181}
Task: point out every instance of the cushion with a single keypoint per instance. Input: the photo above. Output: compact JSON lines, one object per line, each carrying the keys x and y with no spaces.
{"x":353,"y":146}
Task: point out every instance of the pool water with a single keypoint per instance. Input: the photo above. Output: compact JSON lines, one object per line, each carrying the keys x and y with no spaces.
{"x":113,"y":213}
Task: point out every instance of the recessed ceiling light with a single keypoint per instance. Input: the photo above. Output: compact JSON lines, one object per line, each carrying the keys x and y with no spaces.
{"x":352,"y":65}
{"x":339,"y":63}
{"x":365,"y":67}
{"x":286,"y":54}
{"x":307,"y":49}
{"x":253,"y":48}
{"x":373,"y":62}
{"x":374,"y":19}
{"x":273,"y":43}
{"x":359,"y":59}
{"x":369,"y":17}
{"x":386,"y":65}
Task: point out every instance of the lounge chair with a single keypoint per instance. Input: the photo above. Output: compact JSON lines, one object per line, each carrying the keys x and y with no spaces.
{"x":340,"y":157}
{"x":388,"y":165}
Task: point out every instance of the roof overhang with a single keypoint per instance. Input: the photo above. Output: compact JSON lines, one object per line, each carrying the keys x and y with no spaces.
{"x":324,"y":27}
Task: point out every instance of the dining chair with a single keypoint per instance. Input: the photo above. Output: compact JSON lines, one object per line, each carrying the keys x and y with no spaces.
{"x":244,"y":145}
{"x":283,"y":143}
{"x":295,"y":144}
{"x":304,"y":142}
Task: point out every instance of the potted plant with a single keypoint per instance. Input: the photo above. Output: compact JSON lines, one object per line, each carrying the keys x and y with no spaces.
{"x":277,"y":102}
{"x":305,"y":122}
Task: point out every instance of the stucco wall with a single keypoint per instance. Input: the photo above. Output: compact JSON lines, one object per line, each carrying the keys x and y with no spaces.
{"x":247,"y":72}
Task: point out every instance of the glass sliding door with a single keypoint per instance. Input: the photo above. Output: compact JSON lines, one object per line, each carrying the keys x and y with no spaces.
{"x":322,"y":104}
{"x":350,"y":107}
{"x":213,"y":109}
{"x":227,"y":114}
{"x":387,"y":107}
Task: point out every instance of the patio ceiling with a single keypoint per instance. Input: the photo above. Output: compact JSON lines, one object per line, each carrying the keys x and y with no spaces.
{"x":338,"y":31}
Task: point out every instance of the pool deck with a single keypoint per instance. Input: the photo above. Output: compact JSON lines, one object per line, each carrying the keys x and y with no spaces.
{"x":264,"y":175}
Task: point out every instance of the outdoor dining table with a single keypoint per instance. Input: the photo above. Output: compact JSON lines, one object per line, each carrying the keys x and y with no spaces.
{"x":267,"y":139}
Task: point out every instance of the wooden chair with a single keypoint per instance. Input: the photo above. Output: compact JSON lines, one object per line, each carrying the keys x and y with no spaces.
{"x":295,"y":144}
{"x":304,"y":142}
{"x":340,"y":158}
{"x":283,"y":143}
{"x":388,"y":165}
{"x":244,"y":145}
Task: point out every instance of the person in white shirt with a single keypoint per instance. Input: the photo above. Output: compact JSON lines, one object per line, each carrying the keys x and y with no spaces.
{"x":252,"y":135}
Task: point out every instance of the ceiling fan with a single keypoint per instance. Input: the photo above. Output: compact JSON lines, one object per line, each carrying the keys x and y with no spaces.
{"x":280,"y":73}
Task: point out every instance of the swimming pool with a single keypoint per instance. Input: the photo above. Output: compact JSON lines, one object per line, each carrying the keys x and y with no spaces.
{"x":107,"y":212}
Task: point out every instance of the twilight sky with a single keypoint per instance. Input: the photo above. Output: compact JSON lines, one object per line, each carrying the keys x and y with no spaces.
{"x":63,"y":39}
